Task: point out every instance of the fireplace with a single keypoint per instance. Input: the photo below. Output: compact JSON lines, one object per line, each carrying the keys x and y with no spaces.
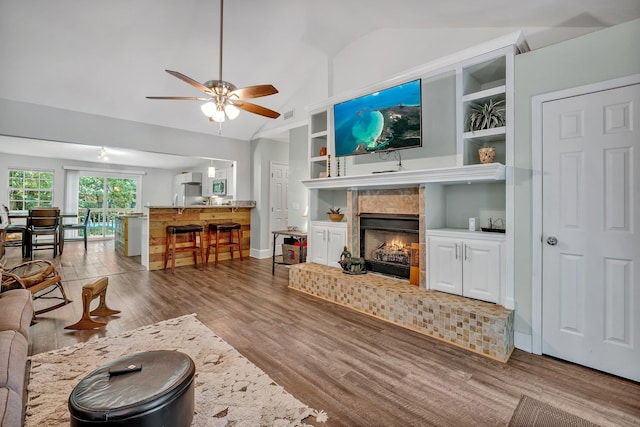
{"x":385,"y":242}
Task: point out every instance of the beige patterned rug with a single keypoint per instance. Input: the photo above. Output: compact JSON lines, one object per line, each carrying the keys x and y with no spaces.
{"x":229,"y":390}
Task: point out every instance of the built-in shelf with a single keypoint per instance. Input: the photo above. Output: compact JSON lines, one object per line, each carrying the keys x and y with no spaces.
{"x":487,"y":135}
{"x":485,"y":94}
{"x":454,"y":175}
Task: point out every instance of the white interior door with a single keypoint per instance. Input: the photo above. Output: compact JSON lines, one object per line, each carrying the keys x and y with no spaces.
{"x":591,"y":240}
{"x":279,"y":188}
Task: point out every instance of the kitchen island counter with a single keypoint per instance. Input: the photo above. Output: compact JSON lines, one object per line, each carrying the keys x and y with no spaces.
{"x":234,"y":204}
{"x":159,"y":217}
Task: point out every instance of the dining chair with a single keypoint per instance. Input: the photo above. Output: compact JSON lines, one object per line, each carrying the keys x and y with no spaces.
{"x":21,"y":229}
{"x":43,"y":222}
{"x":84,"y":226}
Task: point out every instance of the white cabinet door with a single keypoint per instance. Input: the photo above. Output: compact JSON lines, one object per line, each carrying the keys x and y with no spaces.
{"x":337,"y":240}
{"x":326,"y":243}
{"x":481,"y":270}
{"x":317,"y":249}
{"x":467,"y":264}
{"x":445,"y":265}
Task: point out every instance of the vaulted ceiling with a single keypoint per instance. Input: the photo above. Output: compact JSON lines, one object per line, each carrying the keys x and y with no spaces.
{"x":105,"y":57}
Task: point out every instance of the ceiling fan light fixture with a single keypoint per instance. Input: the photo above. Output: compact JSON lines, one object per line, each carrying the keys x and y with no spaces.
{"x":218,"y":115}
{"x":232,"y":111}
{"x":208,"y":108}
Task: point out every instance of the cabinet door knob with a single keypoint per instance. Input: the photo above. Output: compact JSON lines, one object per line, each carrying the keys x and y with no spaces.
{"x":552,"y":241}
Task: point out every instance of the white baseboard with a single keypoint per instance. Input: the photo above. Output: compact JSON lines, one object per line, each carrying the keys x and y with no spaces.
{"x":260,"y":253}
{"x":522,"y":341}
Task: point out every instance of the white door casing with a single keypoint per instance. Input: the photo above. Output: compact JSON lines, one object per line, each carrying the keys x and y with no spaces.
{"x":589,"y":280}
{"x":279,"y":210}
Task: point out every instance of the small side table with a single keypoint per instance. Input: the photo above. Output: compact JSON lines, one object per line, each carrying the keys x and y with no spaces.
{"x":299,"y":236}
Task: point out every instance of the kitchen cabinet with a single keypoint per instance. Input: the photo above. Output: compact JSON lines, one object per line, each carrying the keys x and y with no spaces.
{"x":326,"y":242}
{"x":128,"y":235}
{"x":189,"y":178}
{"x":466,"y":263}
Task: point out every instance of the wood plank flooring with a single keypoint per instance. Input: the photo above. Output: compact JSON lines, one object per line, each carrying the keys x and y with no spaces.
{"x":360,"y":370}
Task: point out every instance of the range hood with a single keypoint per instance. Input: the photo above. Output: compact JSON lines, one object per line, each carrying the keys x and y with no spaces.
{"x":191,"y":178}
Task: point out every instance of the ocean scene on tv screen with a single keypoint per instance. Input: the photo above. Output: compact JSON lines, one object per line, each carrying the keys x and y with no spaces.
{"x":384,"y":120}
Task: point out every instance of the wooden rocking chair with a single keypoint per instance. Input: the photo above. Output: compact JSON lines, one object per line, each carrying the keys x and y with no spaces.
{"x":41,"y":279}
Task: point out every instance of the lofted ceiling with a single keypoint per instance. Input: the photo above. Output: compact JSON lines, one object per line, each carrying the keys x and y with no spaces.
{"x":104,"y":58}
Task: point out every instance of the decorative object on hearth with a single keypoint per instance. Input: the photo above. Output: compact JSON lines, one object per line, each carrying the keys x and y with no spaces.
{"x":414,"y":267}
{"x":229,"y":388}
{"x":487,"y":154}
{"x":351,"y":265}
{"x":488,"y":115}
{"x":223,"y":98}
{"x":335,"y":215}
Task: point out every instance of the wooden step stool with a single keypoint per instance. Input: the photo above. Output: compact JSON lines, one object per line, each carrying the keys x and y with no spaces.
{"x":91,"y":291}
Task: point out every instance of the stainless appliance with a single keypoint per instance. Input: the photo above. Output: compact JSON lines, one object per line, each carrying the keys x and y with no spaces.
{"x":219,"y":187}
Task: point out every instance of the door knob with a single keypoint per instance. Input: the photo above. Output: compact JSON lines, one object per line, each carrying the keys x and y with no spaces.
{"x":552,"y":241}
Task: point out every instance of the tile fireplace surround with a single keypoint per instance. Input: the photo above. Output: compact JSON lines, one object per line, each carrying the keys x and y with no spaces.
{"x":477,"y":326}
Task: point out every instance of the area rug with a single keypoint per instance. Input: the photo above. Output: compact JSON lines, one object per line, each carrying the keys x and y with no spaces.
{"x":229,"y":389}
{"x":533,"y":413}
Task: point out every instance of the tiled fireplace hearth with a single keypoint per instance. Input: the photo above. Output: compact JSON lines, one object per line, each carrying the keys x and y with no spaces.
{"x":477,"y":326}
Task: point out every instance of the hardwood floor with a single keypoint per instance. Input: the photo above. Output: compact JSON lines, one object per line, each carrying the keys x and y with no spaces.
{"x":360,"y":370}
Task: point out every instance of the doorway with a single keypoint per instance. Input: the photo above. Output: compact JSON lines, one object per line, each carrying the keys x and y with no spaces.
{"x":106,"y":196}
{"x":278,"y":192}
{"x":588,"y":290}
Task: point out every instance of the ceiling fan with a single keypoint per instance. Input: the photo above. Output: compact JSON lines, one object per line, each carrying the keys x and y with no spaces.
{"x":223,"y":98}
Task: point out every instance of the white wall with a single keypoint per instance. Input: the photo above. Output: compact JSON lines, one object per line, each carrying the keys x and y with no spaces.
{"x":298,"y":170}
{"x":595,"y":57}
{"x":263,"y":152}
{"x":156,"y":183}
{"x":54,"y":124}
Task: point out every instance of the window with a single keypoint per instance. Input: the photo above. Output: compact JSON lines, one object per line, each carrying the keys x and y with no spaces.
{"x":29,"y":189}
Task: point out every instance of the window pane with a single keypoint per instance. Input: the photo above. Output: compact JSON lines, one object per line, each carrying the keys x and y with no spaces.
{"x":30,"y":188}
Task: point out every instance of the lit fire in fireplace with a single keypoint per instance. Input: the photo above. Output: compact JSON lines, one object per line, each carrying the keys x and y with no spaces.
{"x":395,"y":251}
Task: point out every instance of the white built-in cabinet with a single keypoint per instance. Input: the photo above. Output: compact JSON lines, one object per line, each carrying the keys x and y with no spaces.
{"x":320,"y":142}
{"x":470,"y":264}
{"x":326,"y":241}
{"x":455,"y":193}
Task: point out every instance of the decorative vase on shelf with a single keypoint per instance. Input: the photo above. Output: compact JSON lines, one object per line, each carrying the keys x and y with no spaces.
{"x":487,"y":154}
{"x":335,"y":215}
{"x":323,"y":151}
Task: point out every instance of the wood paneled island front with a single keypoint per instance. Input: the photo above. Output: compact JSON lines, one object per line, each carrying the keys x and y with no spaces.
{"x":161,"y":216}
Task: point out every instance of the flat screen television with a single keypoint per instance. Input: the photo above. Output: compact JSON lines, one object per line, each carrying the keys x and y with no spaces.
{"x":389,"y":119}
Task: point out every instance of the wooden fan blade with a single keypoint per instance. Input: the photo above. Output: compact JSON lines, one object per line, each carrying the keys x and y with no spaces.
{"x":257,"y":109}
{"x":183,"y":98}
{"x":254,"y":91}
{"x":189,"y":80}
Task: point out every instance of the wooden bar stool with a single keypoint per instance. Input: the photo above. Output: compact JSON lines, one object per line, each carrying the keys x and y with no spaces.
{"x":170,"y":243}
{"x":214,"y":232}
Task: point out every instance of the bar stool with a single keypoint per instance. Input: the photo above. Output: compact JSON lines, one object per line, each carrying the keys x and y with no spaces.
{"x":170,"y":243}
{"x":216,"y":229}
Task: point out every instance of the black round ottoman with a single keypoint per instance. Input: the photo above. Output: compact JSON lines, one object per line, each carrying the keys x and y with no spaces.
{"x":120,"y":394}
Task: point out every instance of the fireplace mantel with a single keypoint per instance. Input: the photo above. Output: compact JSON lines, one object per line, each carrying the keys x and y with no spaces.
{"x":471,"y":173}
